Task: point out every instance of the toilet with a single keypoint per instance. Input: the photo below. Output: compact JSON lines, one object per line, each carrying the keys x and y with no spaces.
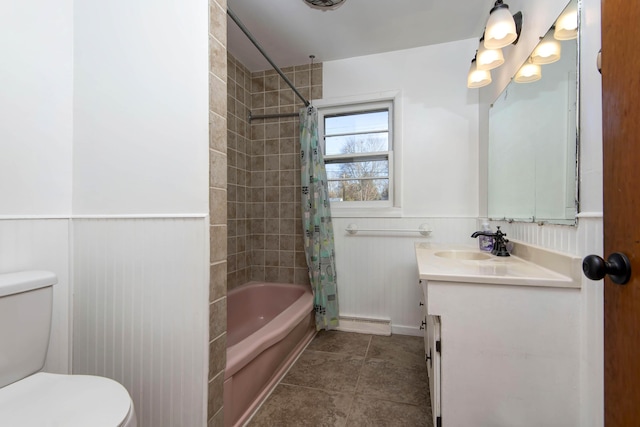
{"x":30,"y":398}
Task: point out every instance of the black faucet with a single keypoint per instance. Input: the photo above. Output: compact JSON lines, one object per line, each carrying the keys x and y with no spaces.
{"x":499,"y":242}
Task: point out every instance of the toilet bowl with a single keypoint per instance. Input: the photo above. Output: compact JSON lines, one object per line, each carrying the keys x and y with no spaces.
{"x":44,"y":399}
{"x":30,"y":398}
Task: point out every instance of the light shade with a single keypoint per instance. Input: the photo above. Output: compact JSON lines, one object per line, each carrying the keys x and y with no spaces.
{"x":501,"y":27}
{"x":567,"y":24}
{"x":547,"y":51}
{"x":324,"y":4}
{"x":488,"y":59}
{"x":528,"y":73}
{"x":477,"y":78}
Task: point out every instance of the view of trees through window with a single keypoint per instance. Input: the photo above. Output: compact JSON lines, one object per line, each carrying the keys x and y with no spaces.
{"x":357,"y":150}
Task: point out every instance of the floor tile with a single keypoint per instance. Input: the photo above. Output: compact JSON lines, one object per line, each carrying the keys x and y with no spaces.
{"x":292,"y":406}
{"x":385,"y":380}
{"x":341,"y":342}
{"x":326,"y":371}
{"x":347,"y":379}
{"x":367,"y":412}
{"x":399,"y":349}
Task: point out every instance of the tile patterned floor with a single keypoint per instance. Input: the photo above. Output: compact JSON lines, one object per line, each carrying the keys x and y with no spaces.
{"x":345,"y":379}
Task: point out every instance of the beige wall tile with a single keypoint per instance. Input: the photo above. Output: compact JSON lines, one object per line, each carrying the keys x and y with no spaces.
{"x":218,"y":317}
{"x":218,"y":237}
{"x":215,"y":399}
{"x":217,"y":169}
{"x":217,"y":281}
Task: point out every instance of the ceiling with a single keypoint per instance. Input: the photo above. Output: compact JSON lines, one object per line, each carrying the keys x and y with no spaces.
{"x":289,"y":30}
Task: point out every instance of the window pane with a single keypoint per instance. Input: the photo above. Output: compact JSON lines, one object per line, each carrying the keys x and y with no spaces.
{"x":362,"y":169}
{"x":370,"y":121}
{"x":359,"y":190}
{"x":366,"y":143}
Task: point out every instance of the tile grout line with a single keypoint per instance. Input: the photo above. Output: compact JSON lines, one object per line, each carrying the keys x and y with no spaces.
{"x":355,"y":392}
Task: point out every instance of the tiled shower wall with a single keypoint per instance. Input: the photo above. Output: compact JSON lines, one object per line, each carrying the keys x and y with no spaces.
{"x":238,"y":172}
{"x":265,"y":229}
{"x":217,"y":208}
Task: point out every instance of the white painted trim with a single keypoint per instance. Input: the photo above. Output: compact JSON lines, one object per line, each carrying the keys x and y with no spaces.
{"x":123,"y":216}
{"x":206,"y":254}
{"x":357,"y":99}
{"x":32,"y":217}
{"x":143,"y":216}
{"x":72,"y":283}
{"x":406,"y":330}
{"x":590,"y":215}
{"x":393,"y":208}
{"x":365,"y":326}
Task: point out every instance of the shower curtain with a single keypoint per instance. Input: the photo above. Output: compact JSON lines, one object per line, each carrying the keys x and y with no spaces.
{"x":316,"y":220}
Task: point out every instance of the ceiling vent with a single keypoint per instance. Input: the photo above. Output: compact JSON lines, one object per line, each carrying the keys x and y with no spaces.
{"x":324,"y":4}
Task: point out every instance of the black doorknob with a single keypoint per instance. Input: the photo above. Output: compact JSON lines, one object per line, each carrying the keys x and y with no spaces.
{"x":617,"y":266}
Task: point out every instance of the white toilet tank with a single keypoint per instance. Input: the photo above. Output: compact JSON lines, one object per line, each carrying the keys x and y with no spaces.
{"x":25,"y":323}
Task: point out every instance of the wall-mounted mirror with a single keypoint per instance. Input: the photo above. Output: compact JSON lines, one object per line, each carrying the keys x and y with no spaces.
{"x":533,"y":139}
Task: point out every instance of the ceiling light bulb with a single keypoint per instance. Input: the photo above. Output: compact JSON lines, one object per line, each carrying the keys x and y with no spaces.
{"x":547,"y":51}
{"x":567,"y":24}
{"x":488,"y":59}
{"x":528,"y":73}
{"x":501,"y":27}
{"x":477,"y":78}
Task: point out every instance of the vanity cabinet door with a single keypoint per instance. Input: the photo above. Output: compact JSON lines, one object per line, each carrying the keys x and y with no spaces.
{"x":433,"y":366}
{"x":423,"y":326}
{"x":432,"y":355}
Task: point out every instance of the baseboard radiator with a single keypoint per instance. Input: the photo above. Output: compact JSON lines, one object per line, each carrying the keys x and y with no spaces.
{"x":365,"y":325}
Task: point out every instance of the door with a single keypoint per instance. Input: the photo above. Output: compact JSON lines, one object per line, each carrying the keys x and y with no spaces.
{"x":621,"y":154}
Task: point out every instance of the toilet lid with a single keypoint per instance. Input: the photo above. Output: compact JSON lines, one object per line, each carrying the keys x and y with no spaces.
{"x":53,"y":400}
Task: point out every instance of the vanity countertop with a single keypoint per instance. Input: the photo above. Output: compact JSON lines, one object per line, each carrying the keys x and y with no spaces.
{"x":532,"y":266}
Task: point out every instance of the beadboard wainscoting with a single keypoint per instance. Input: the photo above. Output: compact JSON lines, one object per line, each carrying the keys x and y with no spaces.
{"x":141,"y":312}
{"x":377,"y":271}
{"x":43,"y":244}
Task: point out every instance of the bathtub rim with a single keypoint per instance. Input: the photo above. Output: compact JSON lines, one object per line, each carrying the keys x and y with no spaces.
{"x":243,"y":352}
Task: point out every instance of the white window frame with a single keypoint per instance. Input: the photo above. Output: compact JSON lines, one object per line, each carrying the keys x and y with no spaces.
{"x":390,"y":100}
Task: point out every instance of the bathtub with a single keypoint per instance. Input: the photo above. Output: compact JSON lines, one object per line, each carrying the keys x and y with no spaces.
{"x":268,"y":325}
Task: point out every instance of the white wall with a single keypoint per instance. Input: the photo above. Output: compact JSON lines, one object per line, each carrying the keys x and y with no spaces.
{"x":587,"y":237}
{"x":439,"y":116}
{"x":434,"y":152}
{"x":140,"y":107}
{"x":36,"y":107}
{"x":105,"y":115}
{"x":141,"y":151}
{"x":438,"y":137}
{"x":36,"y":41}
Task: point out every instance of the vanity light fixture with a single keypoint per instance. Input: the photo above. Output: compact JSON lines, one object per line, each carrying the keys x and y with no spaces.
{"x":547,"y":51}
{"x":528,"y":73}
{"x":477,"y":78}
{"x":567,"y":23}
{"x":488,"y":59}
{"x":502,"y":27}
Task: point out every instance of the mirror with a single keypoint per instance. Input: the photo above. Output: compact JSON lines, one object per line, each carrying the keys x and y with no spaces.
{"x":533,"y":142}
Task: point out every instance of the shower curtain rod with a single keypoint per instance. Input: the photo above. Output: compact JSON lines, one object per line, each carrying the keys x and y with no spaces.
{"x":271,"y":116}
{"x":257,"y":45}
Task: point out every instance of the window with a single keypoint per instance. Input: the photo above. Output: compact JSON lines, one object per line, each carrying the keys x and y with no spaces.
{"x":358,"y":151}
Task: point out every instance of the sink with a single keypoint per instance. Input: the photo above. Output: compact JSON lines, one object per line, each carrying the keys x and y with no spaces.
{"x":464,"y":255}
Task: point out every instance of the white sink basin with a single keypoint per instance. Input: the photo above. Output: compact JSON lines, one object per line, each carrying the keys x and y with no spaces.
{"x":463,"y":255}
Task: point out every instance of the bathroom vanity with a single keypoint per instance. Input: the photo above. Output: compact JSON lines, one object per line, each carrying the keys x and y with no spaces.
{"x":501,"y":335}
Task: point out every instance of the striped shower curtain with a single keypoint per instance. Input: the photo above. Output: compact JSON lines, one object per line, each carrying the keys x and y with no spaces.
{"x":316,"y":220}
